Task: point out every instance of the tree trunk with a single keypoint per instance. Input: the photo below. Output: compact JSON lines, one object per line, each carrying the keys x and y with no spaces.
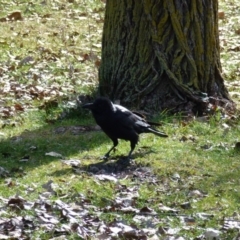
{"x":162,"y":54}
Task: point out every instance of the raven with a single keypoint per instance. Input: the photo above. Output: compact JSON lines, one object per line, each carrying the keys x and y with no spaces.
{"x":120,"y":123}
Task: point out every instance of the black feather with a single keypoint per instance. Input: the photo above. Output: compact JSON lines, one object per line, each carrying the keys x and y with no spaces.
{"x":120,"y":123}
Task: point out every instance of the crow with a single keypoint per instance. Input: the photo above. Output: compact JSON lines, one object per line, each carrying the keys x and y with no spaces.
{"x":120,"y":123}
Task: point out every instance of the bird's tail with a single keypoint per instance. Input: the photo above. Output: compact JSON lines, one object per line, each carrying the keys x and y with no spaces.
{"x":154,"y":123}
{"x":145,"y":120}
{"x":156,"y":132}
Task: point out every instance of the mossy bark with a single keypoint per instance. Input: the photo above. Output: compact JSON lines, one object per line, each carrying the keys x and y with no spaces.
{"x":161,"y":53}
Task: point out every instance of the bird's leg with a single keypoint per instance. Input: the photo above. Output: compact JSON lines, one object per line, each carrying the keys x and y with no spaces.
{"x":115,"y":143}
{"x":133,"y":144}
{"x":126,"y":161}
{"x":106,"y":156}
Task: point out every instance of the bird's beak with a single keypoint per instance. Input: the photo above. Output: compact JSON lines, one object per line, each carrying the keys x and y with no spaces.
{"x":88,"y":105}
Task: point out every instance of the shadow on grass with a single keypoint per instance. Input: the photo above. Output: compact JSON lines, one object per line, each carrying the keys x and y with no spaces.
{"x":27,"y":150}
{"x":114,"y":169}
{"x":69,"y":138}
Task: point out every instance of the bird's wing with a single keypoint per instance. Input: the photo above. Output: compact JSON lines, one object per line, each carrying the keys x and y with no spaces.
{"x":120,"y":108}
{"x":141,"y":123}
{"x":129,"y":119}
{"x":139,"y":119}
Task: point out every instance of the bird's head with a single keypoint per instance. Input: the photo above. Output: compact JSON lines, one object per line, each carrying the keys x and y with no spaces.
{"x":100,"y":105}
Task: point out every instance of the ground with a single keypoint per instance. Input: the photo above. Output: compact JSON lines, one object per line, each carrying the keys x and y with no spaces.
{"x":53,"y":182}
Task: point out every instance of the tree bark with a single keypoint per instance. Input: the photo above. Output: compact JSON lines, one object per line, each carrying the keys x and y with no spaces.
{"x":162,"y":54}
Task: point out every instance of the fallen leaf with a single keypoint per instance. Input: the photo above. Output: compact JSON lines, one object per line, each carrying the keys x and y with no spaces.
{"x":72,"y":162}
{"x":212,"y":234}
{"x":3,"y":172}
{"x":50,"y":187}
{"x":103,"y":177}
{"x":146,"y":210}
{"x":167,"y":209}
{"x":14,"y":16}
{"x":19,"y":107}
{"x":54,"y":154}
{"x":16,"y":203}
{"x":221,"y":15}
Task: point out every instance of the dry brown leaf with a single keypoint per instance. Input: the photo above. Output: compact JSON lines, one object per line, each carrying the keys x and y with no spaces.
{"x":18,"y":107}
{"x":14,"y":16}
{"x":221,"y":15}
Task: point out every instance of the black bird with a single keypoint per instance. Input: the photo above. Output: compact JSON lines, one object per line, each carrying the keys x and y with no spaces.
{"x":120,"y":123}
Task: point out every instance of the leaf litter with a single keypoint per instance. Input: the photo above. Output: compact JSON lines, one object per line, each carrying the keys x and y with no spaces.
{"x":83,"y":218}
{"x":61,"y":58}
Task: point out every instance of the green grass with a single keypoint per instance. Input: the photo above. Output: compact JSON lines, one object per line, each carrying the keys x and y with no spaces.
{"x":214,"y":171}
{"x":198,"y":163}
